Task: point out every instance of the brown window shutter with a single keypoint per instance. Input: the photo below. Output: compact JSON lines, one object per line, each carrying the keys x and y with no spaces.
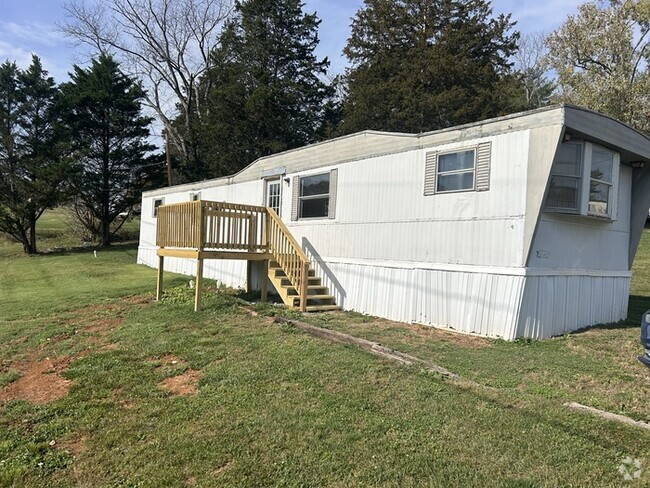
{"x":430,"y":173}
{"x":334,"y":176}
{"x":295,"y":193}
{"x":483,"y":156}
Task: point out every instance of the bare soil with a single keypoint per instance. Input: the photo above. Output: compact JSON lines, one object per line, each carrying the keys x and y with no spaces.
{"x":41,"y":381}
{"x":183,"y":384}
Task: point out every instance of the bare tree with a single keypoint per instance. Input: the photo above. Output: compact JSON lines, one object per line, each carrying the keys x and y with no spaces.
{"x":166,"y":43}
{"x":530,"y":63}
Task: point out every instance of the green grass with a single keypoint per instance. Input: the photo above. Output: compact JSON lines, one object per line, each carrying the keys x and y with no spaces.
{"x":279,"y":407}
{"x":56,"y":230}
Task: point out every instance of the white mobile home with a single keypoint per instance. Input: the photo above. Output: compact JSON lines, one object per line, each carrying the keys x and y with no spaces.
{"x":520,"y":226}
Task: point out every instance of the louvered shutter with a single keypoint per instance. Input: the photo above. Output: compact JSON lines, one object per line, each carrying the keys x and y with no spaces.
{"x":430,"y":173}
{"x":295,"y":193}
{"x":331,"y":210}
{"x":483,"y":156}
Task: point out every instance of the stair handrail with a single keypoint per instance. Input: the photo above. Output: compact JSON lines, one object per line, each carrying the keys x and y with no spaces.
{"x":289,"y":255}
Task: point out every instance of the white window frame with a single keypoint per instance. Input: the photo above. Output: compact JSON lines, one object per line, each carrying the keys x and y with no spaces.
{"x":459,"y":171}
{"x":154,"y":209}
{"x":267,"y":183}
{"x":314,"y":197}
{"x":584,"y":184}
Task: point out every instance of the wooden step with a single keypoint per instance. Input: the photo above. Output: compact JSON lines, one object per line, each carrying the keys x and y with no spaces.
{"x":279,"y":273}
{"x":311,"y":290}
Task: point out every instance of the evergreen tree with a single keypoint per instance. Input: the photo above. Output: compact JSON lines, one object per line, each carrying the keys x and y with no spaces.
{"x":33,"y":162}
{"x":420,"y":65}
{"x":265,"y":92}
{"x":104,"y":116}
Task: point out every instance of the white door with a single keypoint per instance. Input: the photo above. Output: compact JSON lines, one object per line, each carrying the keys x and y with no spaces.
{"x":274,"y":194}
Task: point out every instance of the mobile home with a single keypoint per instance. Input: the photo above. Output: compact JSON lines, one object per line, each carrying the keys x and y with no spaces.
{"x":520,"y":226}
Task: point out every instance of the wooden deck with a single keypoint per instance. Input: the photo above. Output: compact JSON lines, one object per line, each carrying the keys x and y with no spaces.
{"x":217,"y":230}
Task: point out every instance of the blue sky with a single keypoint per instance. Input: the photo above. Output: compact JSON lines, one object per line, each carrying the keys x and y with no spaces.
{"x":30,"y":26}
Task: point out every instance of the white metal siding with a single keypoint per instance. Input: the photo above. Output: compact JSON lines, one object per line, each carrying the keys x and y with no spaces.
{"x":555,"y":305}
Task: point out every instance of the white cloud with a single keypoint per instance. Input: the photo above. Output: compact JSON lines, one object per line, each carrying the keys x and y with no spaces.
{"x":33,"y":33}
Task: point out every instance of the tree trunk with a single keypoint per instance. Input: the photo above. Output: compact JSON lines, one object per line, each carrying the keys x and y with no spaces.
{"x":106,"y":233}
{"x":32,"y":232}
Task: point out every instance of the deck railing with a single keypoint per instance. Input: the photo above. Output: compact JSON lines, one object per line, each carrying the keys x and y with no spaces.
{"x":204,"y":225}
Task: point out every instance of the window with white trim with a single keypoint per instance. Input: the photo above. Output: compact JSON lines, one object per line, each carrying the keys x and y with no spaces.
{"x":455,"y":171}
{"x":584,"y":180}
{"x":195,"y":196}
{"x":465,"y":169}
{"x":157,"y":203}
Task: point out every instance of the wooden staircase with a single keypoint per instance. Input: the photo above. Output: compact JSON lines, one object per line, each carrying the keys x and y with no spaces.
{"x":203,"y":229}
{"x":318,"y":299}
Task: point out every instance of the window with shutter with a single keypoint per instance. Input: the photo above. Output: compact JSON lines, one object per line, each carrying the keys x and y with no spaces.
{"x":456,"y":171}
{"x":314,"y":196}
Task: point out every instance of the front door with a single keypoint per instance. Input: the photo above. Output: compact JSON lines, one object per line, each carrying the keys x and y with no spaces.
{"x":274,"y":194}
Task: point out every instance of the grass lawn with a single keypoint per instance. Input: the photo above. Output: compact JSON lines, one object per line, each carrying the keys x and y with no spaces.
{"x":101,"y":386}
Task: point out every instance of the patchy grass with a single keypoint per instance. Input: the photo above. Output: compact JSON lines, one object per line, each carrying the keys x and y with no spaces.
{"x":159,"y":396}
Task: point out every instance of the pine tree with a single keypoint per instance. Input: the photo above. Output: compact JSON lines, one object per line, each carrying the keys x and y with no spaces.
{"x":423,"y":65}
{"x":265,"y":92}
{"x":33,"y":150}
{"x":104,"y":116}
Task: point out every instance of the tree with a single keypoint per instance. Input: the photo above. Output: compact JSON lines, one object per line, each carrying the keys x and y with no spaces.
{"x":265,"y":94}
{"x":33,"y":162}
{"x":103,"y":113}
{"x":531,"y":69}
{"x":601,"y":59}
{"x":427,"y":64}
{"x":167,"y":43}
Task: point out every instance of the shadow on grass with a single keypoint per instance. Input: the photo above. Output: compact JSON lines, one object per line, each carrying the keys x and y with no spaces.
{"x":115,"y":247}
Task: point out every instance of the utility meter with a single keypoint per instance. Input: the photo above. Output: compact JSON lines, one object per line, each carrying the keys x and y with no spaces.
{"x":645,"y":338}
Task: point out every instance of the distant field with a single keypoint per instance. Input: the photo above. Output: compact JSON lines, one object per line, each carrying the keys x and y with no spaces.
{"x":101,"y":386}
{"x":56,"y":229}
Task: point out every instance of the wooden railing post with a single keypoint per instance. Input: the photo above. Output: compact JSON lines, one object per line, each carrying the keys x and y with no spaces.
{"x":200,"y":242}
{"x":304,"y":282}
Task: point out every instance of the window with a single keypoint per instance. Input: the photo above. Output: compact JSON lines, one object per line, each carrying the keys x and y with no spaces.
{"x":157,"y":203}
{"x":467,"y":169}
{"x":565,"y":180}
{"x":601,"y":182}
{"x":314,"y":196}
{"x":583,"y":180}
{"x":195,"y":196}
{"x":455,"y":171}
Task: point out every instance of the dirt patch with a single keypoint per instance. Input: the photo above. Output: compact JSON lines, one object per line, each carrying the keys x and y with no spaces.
{"x":75,"y":445}
{"x":221,"y":469}
{"x":41,"y":382}
{"x":183,"y":384}
{"x":102,"y":326}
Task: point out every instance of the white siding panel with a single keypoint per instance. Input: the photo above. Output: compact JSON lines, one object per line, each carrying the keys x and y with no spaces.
{"x":474,"y":303}
{"x":555,"y":305}
{"x":569,"y":241}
